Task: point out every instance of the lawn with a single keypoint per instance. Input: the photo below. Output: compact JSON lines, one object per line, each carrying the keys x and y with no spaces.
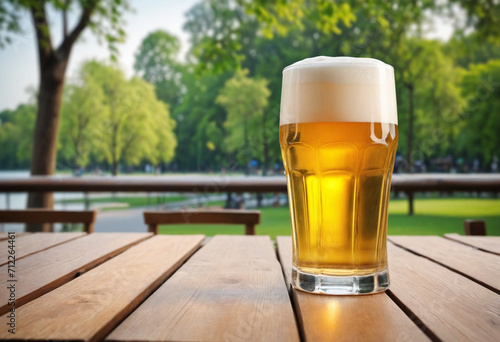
{"x":433,"y":216}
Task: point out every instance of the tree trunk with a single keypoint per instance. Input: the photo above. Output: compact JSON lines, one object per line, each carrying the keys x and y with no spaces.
{"x":52,"y":65}
{"x":43,"y":158}
{"x":115,"y":168}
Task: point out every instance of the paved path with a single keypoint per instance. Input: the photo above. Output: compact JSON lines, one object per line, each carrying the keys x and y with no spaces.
{"x":127,"y":220}
{"x":131,"y":220}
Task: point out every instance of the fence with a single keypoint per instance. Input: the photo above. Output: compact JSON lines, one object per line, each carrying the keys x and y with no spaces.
{"x":206,"y":185}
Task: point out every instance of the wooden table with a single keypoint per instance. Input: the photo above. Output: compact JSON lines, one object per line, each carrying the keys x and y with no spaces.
{"x":129,"y":287}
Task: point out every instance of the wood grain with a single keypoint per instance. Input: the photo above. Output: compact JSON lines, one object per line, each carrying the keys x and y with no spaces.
{"x":4,"y":236}
{"x":231,"y":290}
{"x":42,"y":215}
{"x":481,"y":266}
{"x":194,"y":216}
{"x":347,"y":318}
{"x":284,"y":246}
{"x":32,"y":243}
{"x":87,"y":308}
{"x":449,"y":305}
{"x":485,"y":243}
{"x":44,"y":271}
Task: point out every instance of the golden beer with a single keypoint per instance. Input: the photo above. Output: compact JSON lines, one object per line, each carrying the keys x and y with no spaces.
{"x":340,"y":181}
{"x":338,"y":176}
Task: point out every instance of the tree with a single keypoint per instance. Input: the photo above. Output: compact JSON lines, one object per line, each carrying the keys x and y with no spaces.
{"x":480,"y":122}
{"x":244,"y":100}
{"x":226,"y":36}
{"x":200,"y":122}
{"x":156,"y":62}
{"x":432,"y":97}
{"x":135,"y":126}
{"x":8,"y":145}
{"x":217,"y":34}
{"x":472,"y":49}
{"x":437,"y":101}
{"x":16,"y":135}
{"x":221,"y":25}
{"x":483,"y":16}
{"x":83,"y":104}
{"x":104,"y":18}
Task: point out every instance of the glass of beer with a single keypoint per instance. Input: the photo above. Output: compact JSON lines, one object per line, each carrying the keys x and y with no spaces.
{"x":338,"y":136}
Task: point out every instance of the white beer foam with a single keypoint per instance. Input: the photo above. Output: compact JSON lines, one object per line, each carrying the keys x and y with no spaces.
{"x":338,"y":89}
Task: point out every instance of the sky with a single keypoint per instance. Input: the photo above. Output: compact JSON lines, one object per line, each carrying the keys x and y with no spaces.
{"x":19,"y":61}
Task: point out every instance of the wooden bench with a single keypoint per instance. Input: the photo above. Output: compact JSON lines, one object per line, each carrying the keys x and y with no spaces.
{"x":475,"y":227}
{"x":249,"y":218}
{"x":50,"y":216}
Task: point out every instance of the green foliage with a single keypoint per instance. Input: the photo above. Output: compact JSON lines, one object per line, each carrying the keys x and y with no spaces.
{"x":218,"y":27}
{"x":244,"y":99}
{"x":199,"y":123}
{"x":10,"y":15}
{"x":104,"y":17}
{"x":83,"y":105}
{"x":229,"y":37}
{"x":156,"y":62}
{"x":480,"y":122}
{"x":437,"y":99}
{"x":483,"y":16}
{"x":472,"y":49}
{"x":281,"y":16}
{"x":123,"y":122}
{"x":16,"y":133}
{"x":215,"y":28}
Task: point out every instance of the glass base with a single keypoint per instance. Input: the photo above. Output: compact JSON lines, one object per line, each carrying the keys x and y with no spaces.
{"x":343,"y":285}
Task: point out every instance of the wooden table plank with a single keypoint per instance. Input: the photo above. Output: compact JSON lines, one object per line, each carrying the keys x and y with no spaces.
{"x":486,"y":243}
{"x":481,"y":266}
{"x":32,"y":243}
{"x":284,"y":246}
{"x":4,"y":235}
{"x":347,"y":318}
{"x":87,"y":308}
{"x":231,"y":290}
{"x":449,"y":305}
{"x":42,"y":272}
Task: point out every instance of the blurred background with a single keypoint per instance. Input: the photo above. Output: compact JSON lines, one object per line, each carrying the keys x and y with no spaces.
{"x":174,"y":87}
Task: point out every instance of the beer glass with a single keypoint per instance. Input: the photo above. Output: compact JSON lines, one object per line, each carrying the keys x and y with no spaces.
{"x":338,"y":136}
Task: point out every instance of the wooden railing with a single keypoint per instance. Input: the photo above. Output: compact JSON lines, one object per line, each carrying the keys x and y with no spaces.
{"x":407,"y":183}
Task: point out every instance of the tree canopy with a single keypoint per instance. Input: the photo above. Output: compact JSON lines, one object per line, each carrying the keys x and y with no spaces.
{"x":156,"y":62}
{"x":480,"y":122}
{"x":244,"y":100}
{"x":123,"y":122}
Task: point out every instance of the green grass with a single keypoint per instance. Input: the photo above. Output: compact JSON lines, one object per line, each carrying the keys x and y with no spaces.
{"x":135,"y":201}
{"x":433,"y":216}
